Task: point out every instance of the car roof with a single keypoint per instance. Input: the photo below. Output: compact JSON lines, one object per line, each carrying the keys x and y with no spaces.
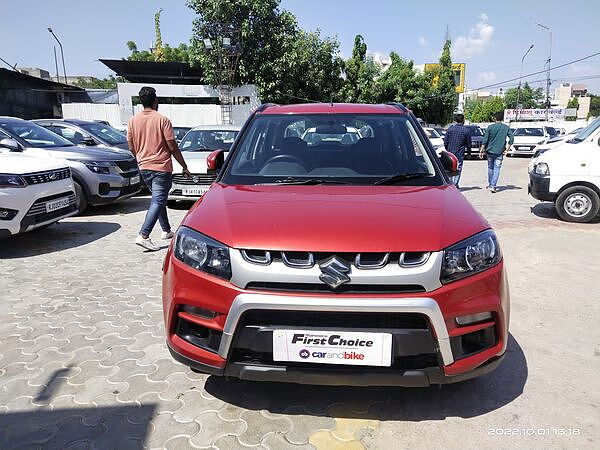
{"x":11,"y":119}
{"x":219,"y":127}
{"x":331,"y":108}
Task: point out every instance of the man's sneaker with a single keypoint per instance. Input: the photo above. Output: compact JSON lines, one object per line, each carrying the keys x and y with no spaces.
{"x":493,"y":189}
{"x":167,"y":235}
{"x":146,"y":243}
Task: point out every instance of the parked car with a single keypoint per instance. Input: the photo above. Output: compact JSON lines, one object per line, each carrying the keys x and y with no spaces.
{"x":437,"y":141}
{"x":180,"y":132}
{"x":100,"y":175}
{"x":345,"y":136}
{"x":86,"y":132}
{"x":527,"y":139}
{"x":568,"y":174}
{"x":441,"y":131}
{"x":327,"y":264}
{"x":195,"y":148}
{"x":34,"y":192}
{"x":476,"y":141}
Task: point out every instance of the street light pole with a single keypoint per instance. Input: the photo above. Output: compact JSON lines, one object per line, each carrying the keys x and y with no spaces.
{"x":62,"y":55}
{"x":549,"y":30}
{"x":56,"y":64}
{"x":520,"y":77}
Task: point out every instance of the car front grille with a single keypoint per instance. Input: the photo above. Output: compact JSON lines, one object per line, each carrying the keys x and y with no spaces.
{"x":334,"y":319}
{"x":127,"y":165}
{"x":47,"y":176}
{"x":197,"y":179}
{"x":343,"y":289}
{"x":37,"y":213}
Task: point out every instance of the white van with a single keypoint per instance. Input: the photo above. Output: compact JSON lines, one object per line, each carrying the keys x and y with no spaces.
{"x":568,"y":174}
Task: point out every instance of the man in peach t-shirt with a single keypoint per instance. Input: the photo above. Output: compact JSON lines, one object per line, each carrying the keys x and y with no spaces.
{"x":152,"y":141}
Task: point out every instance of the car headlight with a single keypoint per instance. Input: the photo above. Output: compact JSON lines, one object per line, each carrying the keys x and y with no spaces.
{"x":99,"y":166}
{"x":11,"y":181}
{"x":541,"y":168}
{"x":202,"y":253}
{"x":471,"y":256}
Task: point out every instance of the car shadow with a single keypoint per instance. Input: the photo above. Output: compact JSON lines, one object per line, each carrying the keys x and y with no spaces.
{"x":547,"y":210}
{"x":128,"y":206}
{"x":470,"y":188}
{"x":467,"y":399}
{"x":508,"y":187}
{"x":181,"y":205}
{"x":57,"y":237}
{"x":124,"y":426}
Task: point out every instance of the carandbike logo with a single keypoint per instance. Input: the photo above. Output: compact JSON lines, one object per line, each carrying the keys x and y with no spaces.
{"x":352,"y":355}
{"x":304,"y":353}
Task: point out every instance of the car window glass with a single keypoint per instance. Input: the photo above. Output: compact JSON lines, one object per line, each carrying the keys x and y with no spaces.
{"x":34,"y":135}
{"x":208,"y":140}
{"x":104,"y":132}
{"x":535,"y":132}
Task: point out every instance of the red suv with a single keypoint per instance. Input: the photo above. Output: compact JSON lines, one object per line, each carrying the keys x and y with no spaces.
{"x":333,"y":249}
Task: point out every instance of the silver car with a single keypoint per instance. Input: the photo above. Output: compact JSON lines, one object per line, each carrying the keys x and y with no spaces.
{"x":195,"y":147}
{"x":100,"y":175}
{"x":86,"y":132}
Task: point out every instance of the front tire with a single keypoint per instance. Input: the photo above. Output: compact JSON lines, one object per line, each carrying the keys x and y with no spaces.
{"x":80,"y":198}
{"x":578,"y":204}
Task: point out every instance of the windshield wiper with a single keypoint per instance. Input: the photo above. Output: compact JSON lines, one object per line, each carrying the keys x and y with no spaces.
{"x":312,"y":181}
{"x":403,"y":176}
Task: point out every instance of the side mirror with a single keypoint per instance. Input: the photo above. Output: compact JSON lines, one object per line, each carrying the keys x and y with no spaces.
{"x":215,"y":161}
{"x":88,"y":141}
{"x":10,"y":144}
{"x":449,"y":163}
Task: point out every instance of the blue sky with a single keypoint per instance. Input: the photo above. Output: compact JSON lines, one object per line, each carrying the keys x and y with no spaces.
{"x":489,"y":36}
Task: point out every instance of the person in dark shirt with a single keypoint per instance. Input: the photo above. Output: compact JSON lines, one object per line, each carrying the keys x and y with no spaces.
{"x":457,"y":140}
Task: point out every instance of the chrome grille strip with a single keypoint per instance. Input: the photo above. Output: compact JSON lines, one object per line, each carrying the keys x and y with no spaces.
{"x":306,"y":264}
{"x":376,"y":265}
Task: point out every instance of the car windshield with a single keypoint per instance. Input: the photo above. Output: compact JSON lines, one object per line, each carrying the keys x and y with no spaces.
{"x":551,"y":131}
{"x":475,"y":131}
{"x":207,"y":140}
{"x":34,"y":135}
{"x":431,"y":133}
{"x":584,"y":133}
{"x":104,"y":132}
{"x":180,"y":132}
{"x":272,"y":151}
{"x":529,"y":132}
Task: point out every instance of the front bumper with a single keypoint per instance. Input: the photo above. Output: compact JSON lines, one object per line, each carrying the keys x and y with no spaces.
{"x":224,"y":343}
{"x":524,"y":149}
{"x":109,"y":188}
{"x":539,"y":187}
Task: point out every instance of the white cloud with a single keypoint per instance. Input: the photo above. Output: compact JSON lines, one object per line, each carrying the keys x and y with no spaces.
{"x":486,"y":77}
{"x":476,"y":42}
{"x":422,"y":41}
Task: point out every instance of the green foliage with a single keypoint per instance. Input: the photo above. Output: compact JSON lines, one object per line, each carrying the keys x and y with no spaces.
{"x":529,"y":98}
{"x":573,"y":103}
{"x":444,"y":99}
{"x":105,"y":83}
{"x":180,"y":53}
{"x":483,"y":110}
{"x":159,"y":54}
{"x":360,"y":72}
{"x":276,"y":55}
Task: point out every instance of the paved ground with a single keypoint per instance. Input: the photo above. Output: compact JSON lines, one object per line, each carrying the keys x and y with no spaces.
{"x":83,"y":361}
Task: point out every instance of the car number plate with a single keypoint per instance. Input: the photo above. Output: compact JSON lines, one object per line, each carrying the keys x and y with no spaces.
{"x":57,"y":204}
{"x":524,"y":148}
{"x":134,"y":180}
{"x":333,"y":347}
{"x":194,"y":191}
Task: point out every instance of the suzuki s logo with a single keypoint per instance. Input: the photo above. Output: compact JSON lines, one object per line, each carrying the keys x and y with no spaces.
{"x":334,"y":272}
{"x":196,"y":180}
{"x":52,"y":176}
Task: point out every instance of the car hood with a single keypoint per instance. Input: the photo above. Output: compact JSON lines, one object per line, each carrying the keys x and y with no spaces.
{"x":528,"y":139}
{"x":196,"y":162}
{"x":335,"y":218}
{"x":83,"y":153}
{"x":18,"y":164}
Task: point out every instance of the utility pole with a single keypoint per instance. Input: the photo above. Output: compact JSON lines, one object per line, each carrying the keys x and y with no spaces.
{"x":62,"y":55}
{"x":519,"y":88}
{"x":549,"y":30}
{"x":56,"y":65}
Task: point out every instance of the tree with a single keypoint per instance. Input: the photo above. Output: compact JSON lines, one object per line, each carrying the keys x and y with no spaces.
{"x":594,"y":106}
{"x":275,"y":53}
{"x":444,"y":93}
{"x":483,"y":110}
{"x":360,"y":75}
{"x":105,"y":83}
{"x":180,"y":53}
{"x":528,"y":98}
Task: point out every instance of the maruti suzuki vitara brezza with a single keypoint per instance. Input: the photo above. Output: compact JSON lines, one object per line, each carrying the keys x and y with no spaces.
{"x":333,"y":249}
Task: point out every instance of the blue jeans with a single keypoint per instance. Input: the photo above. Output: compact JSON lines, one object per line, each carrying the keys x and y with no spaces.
{"x":456,"y":178}
{"x":494,"y":165}
{"x":159,"y":184}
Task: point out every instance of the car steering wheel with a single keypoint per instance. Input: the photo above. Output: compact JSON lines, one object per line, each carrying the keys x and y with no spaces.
{"x":293,"y":158}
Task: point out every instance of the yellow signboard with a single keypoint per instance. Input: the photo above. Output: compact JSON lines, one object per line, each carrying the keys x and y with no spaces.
{"x":459,"y":74}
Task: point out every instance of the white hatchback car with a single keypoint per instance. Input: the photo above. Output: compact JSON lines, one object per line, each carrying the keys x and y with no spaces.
{"x":34,"y":192}
{"x":195,"y":147}
{"x":437,"y":141}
